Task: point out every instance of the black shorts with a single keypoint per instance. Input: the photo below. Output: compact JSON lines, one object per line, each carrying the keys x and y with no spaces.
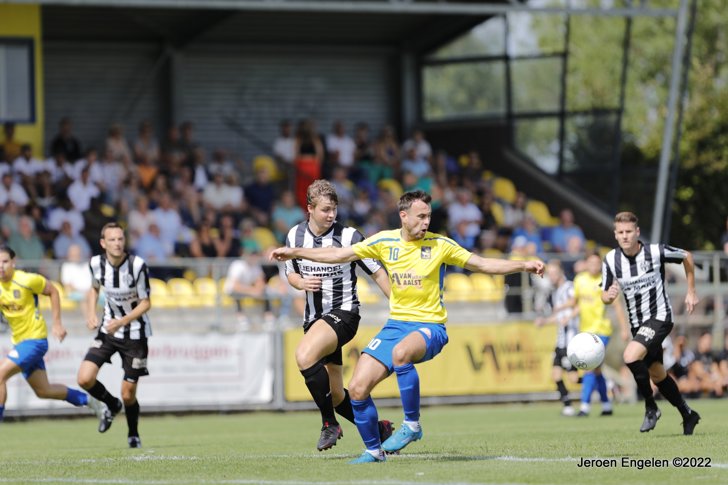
{"x":561,"y":360}
{"x":133,"y":354}
{"x":651,"y":334}
{"x":345,"y":324}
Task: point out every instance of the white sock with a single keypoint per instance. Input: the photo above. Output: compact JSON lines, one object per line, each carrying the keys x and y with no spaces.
{"x":375,"y":453}
{"x":413,"y":425}
{"x":585,"y":407}
{"x":607,"y":406}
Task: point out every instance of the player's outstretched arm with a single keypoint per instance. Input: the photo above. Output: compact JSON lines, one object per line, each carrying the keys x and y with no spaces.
{"x":503,"y":266}
{"x":321,"y":255}
{"x":691,"y":299}
{"x":51,"y":291}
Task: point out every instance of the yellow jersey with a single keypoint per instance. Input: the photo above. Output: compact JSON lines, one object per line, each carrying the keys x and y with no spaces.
{"x":592,"y":311}
{"x":19,"y":305}
{"x":416,"y":272}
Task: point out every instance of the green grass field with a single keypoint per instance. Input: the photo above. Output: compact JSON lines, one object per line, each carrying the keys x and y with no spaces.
{"x":496,"y":444}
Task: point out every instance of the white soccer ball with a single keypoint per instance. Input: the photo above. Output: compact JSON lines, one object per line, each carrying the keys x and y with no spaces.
{"x":585,"y":351}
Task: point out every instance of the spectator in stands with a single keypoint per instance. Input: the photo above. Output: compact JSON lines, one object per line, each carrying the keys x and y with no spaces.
{"x":346,"y":192}
{"x":248,"y":242}
{"x":284,"y":146}
{"x":25,"y":167}
{"x":361,"y":208}
{"x":75,"y":275}
{"x":464,"y":210}
{"x":228,"y":244}
{"x":286,"y":214}
{"x":387,"y":155}
{"x":65,"y":211}
{"x":445,"y":167}
{"x":340,"y":147}
{"x":35,"y":212}
{"x":561,"y":234}
{"x":146,"y":171}
{"x":187,"y":197}
{"x":415,"y":163}
{"x":471,"y":175}
{"x":260,"y":195}
{"x":113,"y":174}
{"x":187,"y":141}
{"x":530,"y":230}
{"x":139,"y":219}
{"x":203,"y":242}
{"x":221,"y":163}
{"x":66,"y":238}
{"x":117,"y":147}
{"x":364,"y":151}
{"x":64,"y":142}
{"x":464,"y":237}
{"x":83,"y":190}
{"x":11,"y":191}
{"x":27,"y":242}
{"x":221,"y":196}
{"x":245,"y":279}
{"x":10,"y":146}
{"x":146,"y":146}
{"x":172,"y":145}
{"x":308,"y":156}
{"x":94,"y":220}
{"x":487,"y":209}
{"x":706,"y":366}
{"x":60,"y":170}
{"x":167,"y":217}
{"x":514,"y":214}
{"x":151,"y":247}
{"x":422,"y":148}
{"x":9,"y":220}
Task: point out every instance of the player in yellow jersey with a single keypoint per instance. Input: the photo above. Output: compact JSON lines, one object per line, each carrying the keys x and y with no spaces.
{"x":415,"y":331}
{"x":19,"y":292}
{"x":593,"y":316}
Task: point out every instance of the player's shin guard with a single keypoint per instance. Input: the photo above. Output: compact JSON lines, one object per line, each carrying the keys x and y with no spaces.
{"x":668,"y":388}
{"x":317,"y":381}
{"x":563,"y":392}
{"x":587,"y":387}
{"x":366,"y":418}
{"x":132,"y":418}
{"x":76,"y":397}
{"x":99,"y":392}
{"x":344,"y":408}
{"x":642,"y":378}
{"x":409,"y":390}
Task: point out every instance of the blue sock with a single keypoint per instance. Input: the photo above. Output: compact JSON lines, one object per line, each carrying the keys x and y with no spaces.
{"x":409,"y":390}
{"x":2,"y":412}
{"x":602,"y":387}
{"x":76,"y":397}
{"x":587,"y":387}
{"x":366,"y":420}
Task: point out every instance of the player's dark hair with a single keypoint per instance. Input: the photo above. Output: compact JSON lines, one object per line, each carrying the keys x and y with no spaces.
{"x":8,"y":250}
{"x":405,"y":202}
{"x":321,"y":189}
{"x":626,"y":217}
{"x":110,"y":225}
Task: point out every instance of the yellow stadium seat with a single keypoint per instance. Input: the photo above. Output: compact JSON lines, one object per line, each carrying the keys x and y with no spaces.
{"x":485,"y":287}
{"x":364,"y":290}
{"x":458,"y":287}
{"x":159,"y":293}
{"x":265,"y":238}
{"x":391,"y":186}
{"x":498,"y":213}
{"x":540,"y":212}
{"x":205,"y":291}
{"x":492,"y":253}
{"x":183,"y":293}
{"x":504,"y":189}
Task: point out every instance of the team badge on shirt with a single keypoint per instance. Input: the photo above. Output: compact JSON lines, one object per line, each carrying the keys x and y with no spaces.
{"x":129,"y":280}
{"x":645,"y":266}
{"x":426,"y":252}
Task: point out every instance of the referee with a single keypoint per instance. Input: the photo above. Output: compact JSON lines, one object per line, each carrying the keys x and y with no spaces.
{"x":638,"y":269}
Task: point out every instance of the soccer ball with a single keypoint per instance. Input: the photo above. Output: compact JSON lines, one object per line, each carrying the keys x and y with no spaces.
{"x":585,"y":351}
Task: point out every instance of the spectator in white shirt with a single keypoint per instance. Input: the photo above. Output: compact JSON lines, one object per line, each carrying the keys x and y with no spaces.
{"x":168,"y":219}
{"x":340,"y":146}
{"x":66,"y":212}
{"x":422,"y":147}
{"x":284,"y":146}
{"x":83,"y":190}
{"x":12,"y":191}
{"x":462,"y":209}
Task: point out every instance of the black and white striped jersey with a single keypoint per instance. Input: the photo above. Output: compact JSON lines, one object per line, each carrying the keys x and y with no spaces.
{"x":338,"y":288}
{"x":123,"y":286}
{"x":642,"y":280}
{"x":561,"y":296}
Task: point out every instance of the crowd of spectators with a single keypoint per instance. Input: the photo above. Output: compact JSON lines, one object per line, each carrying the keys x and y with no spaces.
{"x":700,"y":370}
{"x":177,"y":200}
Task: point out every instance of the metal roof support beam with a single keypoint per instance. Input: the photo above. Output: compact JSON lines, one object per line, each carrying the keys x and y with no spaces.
{"x":367,"y":6}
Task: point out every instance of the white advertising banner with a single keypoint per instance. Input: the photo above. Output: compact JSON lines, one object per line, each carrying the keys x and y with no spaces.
{"x":184,"y":370}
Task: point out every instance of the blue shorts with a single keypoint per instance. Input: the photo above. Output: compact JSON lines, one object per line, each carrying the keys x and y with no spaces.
{"x":28,"y":355}
{"x":394,"y":331}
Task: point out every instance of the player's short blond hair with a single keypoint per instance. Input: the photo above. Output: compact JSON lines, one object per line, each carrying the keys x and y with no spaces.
{"x":321,"y":189}
{"x":626,"y":217}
